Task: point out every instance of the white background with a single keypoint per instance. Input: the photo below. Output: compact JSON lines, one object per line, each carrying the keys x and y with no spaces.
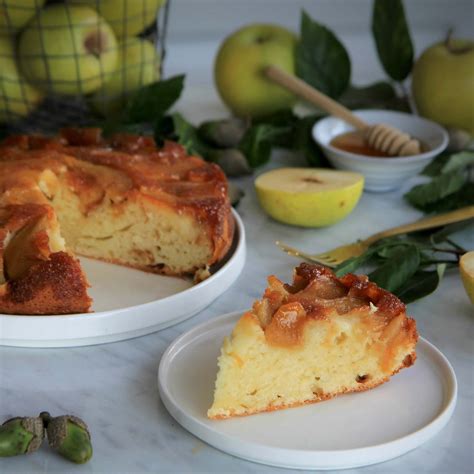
{"x":197,"y":27}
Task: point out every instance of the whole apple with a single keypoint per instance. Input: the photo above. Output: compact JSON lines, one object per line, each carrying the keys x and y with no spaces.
{"x":17,"y":97}
{"x":15,"y":14}
{"x":126,"y":17}
{"x":138,"y":65}
{"x":68,"y":49}
{"x":238,"y":69}
{"x":443,"y":84}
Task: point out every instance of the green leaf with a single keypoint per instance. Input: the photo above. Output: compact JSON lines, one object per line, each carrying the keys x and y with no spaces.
{"x":304,"y":143}
{"x":352,"y":264}
{"x":285,"y":120}
{"x":391,"y":251}
{"x":438,"y":188}
{"x":392,"y":38}
{"x":458,"y":161}
{"x":258,"y":141}
{"x":152,"y":101}
{"x":367,"y":97}
{"x":461,"y":198}
{"x":176,"y":127}
{"x":396,"y":270}
{"x":421,"y":284}
{"x":320,"y":58}
{"x":187,"y":135}
{"x":434,"y":168}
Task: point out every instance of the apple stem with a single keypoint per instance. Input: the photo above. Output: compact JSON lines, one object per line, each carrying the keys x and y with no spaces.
{"x":450,"y":46}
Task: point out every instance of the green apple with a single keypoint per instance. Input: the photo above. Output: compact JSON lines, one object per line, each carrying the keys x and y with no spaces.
{"x":466,"y":268}
{"x":68,"y":49}
{"x":238,"y":69}
{"x":138,"y":65}
{"x":127,"y":17}
{"x":15,"y":14}
{"x":309,"y":197}
{"x":443,"y":84}
{"x":17,"y":97}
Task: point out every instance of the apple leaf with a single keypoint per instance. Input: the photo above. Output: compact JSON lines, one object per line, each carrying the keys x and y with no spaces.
{"x":320,"y":58}
{"x":422,"y":195}
{"x":397,"y":269}
{"x":152,"y":101}
{"x":410,"y":267}
{"x":176,"y":127}
{"x":434,"y":168}
{"x":258,"y":142}
{"x":458,"y":161}
{"x":421,"y":284}
{"x":379,"y":95}
{"x":304,"y":143}
{"x":392,"y":38}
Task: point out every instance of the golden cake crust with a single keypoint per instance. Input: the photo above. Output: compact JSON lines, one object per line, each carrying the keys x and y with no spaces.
{"x":123,"y":169}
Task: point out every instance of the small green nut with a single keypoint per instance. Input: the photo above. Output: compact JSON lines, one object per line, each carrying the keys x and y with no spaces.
{"x":21,"y":436}
{"x":70,"y":437}
{"x":225,"y":133}
{"x":459,"y":139}
{"x":231,"y":160}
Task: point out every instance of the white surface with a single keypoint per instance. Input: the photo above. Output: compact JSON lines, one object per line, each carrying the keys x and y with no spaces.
{"x":348,"y":431}
{"x":113,"y":386}
{"x":382,"y":174}
{"x":127,"y":303}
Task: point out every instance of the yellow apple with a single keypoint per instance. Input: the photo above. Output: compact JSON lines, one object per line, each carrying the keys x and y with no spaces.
{"x":127,"y":17}
{"x":138,"y":65}
{"x":15,"y":14}
{"x":68,"y":49}
{"x":466,"y":268}
{"x":17,"y":97}
{"x":238,"y":69}
{"x":309,"y":197}
{"x":443,"y":84}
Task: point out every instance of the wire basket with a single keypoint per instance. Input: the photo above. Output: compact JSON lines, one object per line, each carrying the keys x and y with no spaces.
{"x":75,"y":62}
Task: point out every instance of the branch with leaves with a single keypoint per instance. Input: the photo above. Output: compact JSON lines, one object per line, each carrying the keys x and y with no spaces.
{"x":410,"y":266}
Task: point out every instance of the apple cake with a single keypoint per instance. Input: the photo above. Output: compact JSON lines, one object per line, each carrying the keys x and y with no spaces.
{"x":311,"y":340}
{"x":121,"y":200}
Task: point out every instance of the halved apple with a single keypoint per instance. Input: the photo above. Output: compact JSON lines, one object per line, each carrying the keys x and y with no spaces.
{"x":309,"y":197}
{"x":466,"y":268}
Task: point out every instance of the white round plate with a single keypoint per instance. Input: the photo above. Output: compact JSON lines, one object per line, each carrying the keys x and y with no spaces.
{"x":127,"y":303}
{"x":348,"y":431}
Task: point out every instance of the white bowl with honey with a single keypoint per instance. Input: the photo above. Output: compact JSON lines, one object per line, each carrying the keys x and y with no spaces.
{"x":347,"y":149}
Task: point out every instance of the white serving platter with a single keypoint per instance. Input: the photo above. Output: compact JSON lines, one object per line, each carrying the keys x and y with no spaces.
{"x":127,"y":303}
{"x":348,"y":431}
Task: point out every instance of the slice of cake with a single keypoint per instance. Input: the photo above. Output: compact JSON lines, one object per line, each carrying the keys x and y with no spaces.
{"x":120,"y":199}
{"x":309,"y":341}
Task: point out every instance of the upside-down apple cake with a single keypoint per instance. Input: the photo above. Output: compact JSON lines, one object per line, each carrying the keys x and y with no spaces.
{"x":121,"y":200}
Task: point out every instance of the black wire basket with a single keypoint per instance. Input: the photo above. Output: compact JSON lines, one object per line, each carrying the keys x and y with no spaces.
{"x":76,"y":62}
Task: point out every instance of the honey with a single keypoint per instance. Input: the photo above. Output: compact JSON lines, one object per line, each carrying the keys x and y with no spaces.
{"x":354,"y":142}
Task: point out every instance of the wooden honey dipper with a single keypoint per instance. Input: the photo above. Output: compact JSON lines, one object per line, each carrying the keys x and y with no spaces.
{"x":381,"y":137}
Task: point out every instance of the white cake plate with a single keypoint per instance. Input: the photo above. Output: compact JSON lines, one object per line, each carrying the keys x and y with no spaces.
{"x":127,"y":303}
{"x":348,"y":431}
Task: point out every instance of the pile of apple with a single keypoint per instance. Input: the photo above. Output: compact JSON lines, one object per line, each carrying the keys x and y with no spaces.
{"x":86,"y":48}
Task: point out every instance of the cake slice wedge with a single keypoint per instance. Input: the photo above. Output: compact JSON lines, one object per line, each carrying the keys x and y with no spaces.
{"x":311,"y":340}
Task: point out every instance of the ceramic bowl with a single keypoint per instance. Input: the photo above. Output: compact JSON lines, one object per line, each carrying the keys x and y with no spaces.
{"x":382,"y":174}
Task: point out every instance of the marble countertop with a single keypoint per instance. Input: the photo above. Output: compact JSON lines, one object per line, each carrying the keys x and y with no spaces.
{"x":113,"y":386}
